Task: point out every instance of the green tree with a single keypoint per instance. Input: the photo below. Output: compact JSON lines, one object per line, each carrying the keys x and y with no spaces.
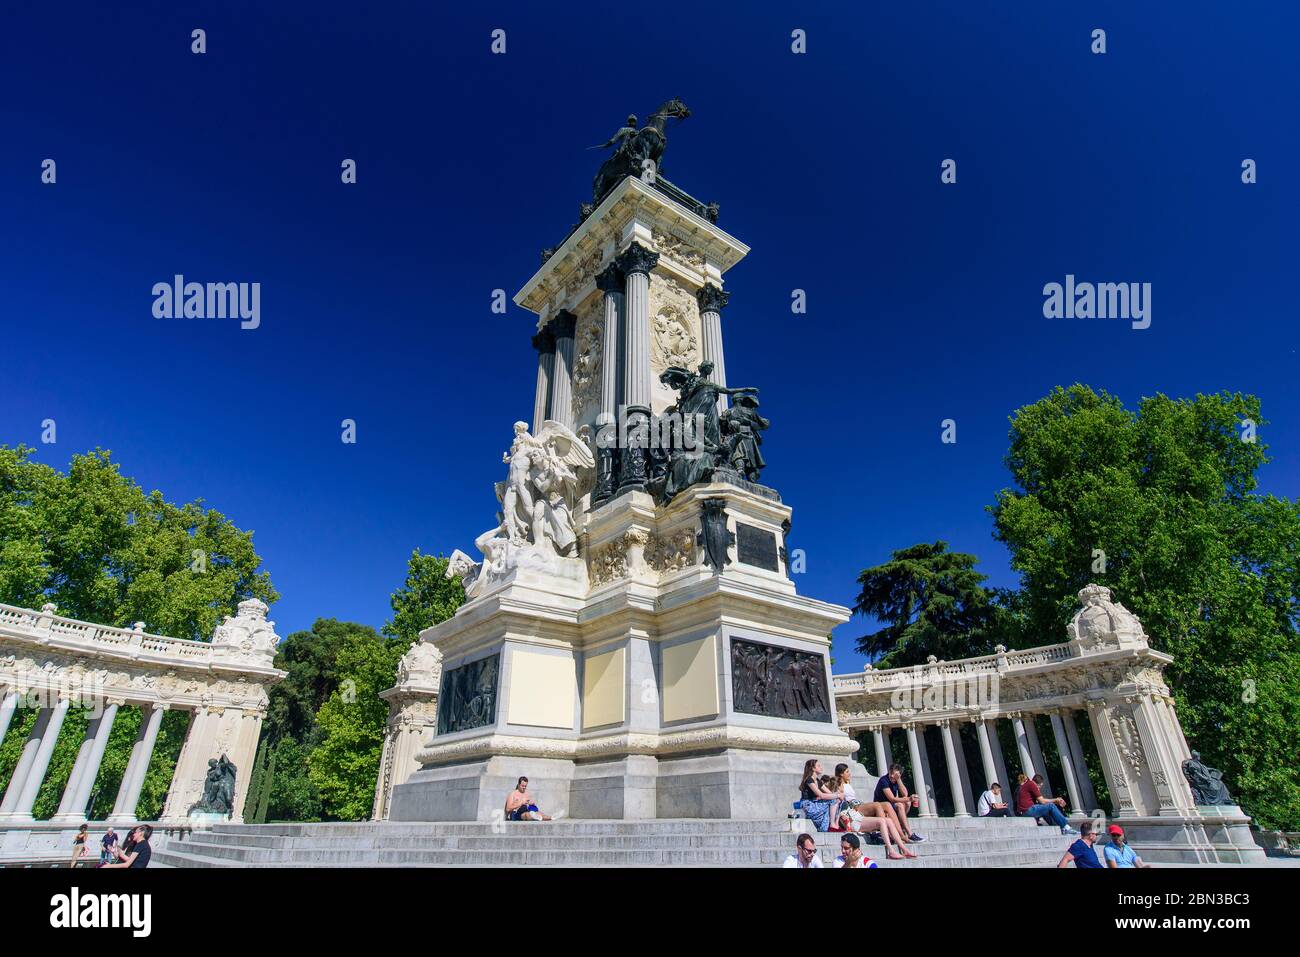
{"x":931,"y":602}
{"x":345,"y":764}
{"x":103,"y":550}
{"x":1160,"y":504}
{"x":426,"y":598}
{"x":94,"y":543}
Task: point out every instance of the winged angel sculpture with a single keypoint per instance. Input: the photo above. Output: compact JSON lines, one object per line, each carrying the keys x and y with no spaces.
{"x":538,"y":495}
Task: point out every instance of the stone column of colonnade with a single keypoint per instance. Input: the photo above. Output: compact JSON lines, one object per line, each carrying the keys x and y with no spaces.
{"x":1069,"y":768}
{"x":950,"y":753}
{"x":878,"y":738}
{"x":213,"y":732}
{"x":544,"y":343}
{"x":33,"y":762}
{"x":1086,"y":793}
{"x":1036,"y":752}
{"x":927,"y":775}
{"x":635,"y":263}
{"x":128,"y":795}
{"x":919,"y":771}
{"x":8,"y":705}
{"x":76,"y":794}
{"x":564,"y":327}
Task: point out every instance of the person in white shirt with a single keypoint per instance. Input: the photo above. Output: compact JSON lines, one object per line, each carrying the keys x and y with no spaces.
{"x":851,"y":853}
{"x":805,"y":853}
{"x":991,"y":803}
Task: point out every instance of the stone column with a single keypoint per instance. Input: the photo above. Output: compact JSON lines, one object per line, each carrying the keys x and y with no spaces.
{"x":930,"y":802}
{"x":1086,"y":792}
{"x":1067,"y":762}
{"x":635,"y":263}
{"x":191,"y":767}
{"x":242,"y":755}
{"x":128,"y":795}
{"x":1022,"y":744}
{"x":712,"y":301}
{"x":954,"y":775}
{"x":1112,"y":761}
{"x":25,"y":759}
{"x":1180,"y":745}
{"x":1172,"y":791}
{"x":986,"y":754}
{"x":918,"y":771}
{"x":8,"y":705}
{"x":1036,"y":750}
{"x":963,"y":768}
{"x":544,"y":343}
{"x":72,"y":809}
{"x":610,"y":282}
{"x":999,"y":760}
{"x":564,"y":326}
{"x":882,"y":763}
{"x":21,"y":810}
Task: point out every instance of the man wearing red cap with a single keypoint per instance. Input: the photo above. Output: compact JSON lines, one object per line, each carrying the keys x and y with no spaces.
{"x":1118,"y":853}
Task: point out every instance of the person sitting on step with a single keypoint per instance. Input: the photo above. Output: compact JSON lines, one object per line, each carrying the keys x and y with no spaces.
{"x":805,"y":853}
{"x":1081,"y":852}
{"x":1031,"y":803}
{"x":891,"y":789}
{"x":851,"y":853}
{"x":991,"y":803}
{"x":875,"y":818}
{"x":520,"y":805}
{"x":821,"y":806}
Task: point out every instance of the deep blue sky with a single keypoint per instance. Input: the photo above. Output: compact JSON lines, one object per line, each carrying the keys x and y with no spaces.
{"x":924,"y":300}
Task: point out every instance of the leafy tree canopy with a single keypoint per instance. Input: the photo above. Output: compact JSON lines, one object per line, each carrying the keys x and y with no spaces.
{"x":1160,"y":504}
{"x":103,"y":550}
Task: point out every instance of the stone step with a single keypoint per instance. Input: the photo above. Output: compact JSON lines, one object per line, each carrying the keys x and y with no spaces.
{"x":960,"y":842}
{"x":237,"y":857}
{"x":544,"y":842}
{"x":937,"y":826}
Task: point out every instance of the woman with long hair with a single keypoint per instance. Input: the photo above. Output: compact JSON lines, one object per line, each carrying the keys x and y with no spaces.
{"x":819,"y":804}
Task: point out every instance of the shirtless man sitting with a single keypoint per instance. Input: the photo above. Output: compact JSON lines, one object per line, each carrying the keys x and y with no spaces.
{"x":520,"y":805}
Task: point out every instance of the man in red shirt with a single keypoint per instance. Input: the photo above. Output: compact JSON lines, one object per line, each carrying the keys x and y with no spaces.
{"x":1031,"y":803}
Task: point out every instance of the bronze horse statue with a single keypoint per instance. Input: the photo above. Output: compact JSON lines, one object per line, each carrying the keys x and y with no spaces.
{"x":634,"y":149}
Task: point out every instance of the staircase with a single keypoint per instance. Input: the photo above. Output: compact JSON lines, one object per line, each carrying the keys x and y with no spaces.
{"x":950,"y":842}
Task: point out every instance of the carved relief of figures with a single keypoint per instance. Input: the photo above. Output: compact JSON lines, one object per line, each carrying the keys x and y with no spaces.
{"x":468,"y":696}
{"x":674,"y":248}
{"x":587,"y":360}
{"x":674,"y":327}
{"x":778,"y":682}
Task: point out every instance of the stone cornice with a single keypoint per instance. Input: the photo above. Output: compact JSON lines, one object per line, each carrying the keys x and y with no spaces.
{"x":630,"y":200}
{"x":627,"y":742}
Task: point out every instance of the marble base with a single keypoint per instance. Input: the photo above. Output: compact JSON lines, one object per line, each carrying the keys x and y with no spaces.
{"x":1214,"y":835}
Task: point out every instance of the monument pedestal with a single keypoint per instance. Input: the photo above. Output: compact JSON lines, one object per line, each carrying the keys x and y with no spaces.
{"x":689,"y":681}
{"x":1203,"y":835}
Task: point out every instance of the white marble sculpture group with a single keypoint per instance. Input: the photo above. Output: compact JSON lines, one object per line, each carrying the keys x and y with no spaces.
{"x":536,"y":527}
